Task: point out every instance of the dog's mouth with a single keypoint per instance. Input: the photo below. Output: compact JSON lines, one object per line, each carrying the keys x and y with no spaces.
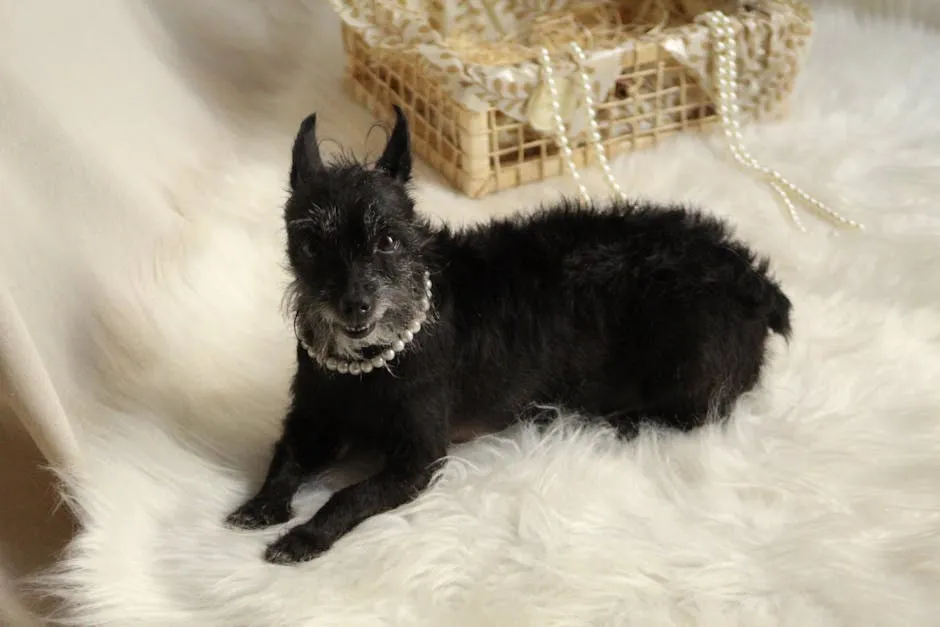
{"x":359,"y":332}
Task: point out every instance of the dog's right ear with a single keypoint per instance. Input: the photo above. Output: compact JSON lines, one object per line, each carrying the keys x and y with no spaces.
{"x":306,"y":161}
{"x":396,"y":159}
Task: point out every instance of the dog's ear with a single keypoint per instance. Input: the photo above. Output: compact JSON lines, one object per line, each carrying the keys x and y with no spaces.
{"x":396,"y":159}
{"x":306,"y":159}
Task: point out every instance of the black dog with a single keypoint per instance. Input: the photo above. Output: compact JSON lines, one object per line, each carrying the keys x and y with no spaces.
{"x":411,"y":337}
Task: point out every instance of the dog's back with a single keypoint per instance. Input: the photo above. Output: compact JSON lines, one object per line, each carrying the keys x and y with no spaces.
{"x":630,"y":311}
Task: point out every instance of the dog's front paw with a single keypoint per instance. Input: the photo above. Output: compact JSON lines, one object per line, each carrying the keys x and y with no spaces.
{"x":258,"y":513}
{"x":297,"y":545}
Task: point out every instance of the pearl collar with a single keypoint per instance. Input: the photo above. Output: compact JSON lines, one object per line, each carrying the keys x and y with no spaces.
{"x":365,"y":366}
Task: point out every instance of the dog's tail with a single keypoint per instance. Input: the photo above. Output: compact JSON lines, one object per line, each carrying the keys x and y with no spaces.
{"x":775,"y":302}
{"x":779,"y":317}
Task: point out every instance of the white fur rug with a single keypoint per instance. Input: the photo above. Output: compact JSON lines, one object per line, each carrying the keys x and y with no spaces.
{"x":818,"y":504}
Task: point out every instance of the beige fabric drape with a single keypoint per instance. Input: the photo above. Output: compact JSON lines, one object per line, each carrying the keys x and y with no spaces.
{"x":29,"y":391}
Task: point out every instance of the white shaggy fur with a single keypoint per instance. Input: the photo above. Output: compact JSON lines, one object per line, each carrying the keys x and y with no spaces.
{"x":817,"y":505}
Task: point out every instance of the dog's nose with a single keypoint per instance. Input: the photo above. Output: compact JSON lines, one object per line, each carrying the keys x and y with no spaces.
{"x":356,"y":306}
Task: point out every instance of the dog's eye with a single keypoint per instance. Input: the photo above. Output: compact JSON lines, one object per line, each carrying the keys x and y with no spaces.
{"x":387,"y":244}
{"x":307,"y":249}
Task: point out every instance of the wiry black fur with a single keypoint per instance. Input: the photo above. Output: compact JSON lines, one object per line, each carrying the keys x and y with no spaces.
{"x":630,"y":311}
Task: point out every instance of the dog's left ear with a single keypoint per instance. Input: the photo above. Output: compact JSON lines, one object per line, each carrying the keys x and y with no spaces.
{"x":305,"y":156}
{"x":396,"y":159}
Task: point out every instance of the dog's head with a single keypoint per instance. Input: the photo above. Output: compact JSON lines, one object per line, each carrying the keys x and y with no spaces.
{"x":355,"y":245}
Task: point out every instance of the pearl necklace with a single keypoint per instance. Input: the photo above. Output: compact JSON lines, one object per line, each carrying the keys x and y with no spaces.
{"x":722,"y":30}
{"x":726,"y":54}
{"x":562,"y":134}
{"x":365,"y":366}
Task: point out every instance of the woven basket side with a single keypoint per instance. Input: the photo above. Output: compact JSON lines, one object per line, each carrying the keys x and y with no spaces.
{"x":654,"y":97}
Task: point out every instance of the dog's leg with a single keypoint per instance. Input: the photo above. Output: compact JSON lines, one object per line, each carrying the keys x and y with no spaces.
{"x":345,"y":509}
{"x":271,"y":505}
{"x":407,"y":472}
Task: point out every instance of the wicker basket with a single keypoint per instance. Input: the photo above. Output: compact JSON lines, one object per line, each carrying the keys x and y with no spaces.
{"x":660,"y":87}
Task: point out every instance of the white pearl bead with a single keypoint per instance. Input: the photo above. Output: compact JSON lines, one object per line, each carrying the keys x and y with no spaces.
{"x":378,"y":362}
{"x":407,"y":336}
{"x":398,"y":346}
{"x":355,"y":368}
{"x":388,"y":354}
{"x":414,"y":327}
{"x":342,"y":367}
{"x":331,"y":363}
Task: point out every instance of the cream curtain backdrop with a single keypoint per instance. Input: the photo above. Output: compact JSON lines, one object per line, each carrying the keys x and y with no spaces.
{"x":143,"y":153}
